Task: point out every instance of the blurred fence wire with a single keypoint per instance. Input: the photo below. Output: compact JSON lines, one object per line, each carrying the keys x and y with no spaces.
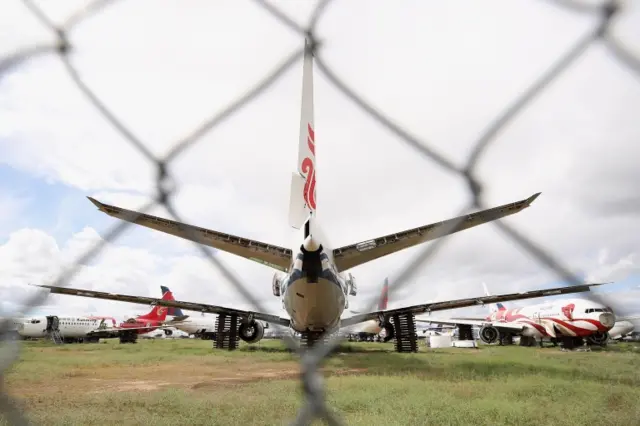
{"x":314,"y":405}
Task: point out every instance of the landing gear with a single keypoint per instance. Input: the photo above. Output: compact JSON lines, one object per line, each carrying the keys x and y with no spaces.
{"x":128,"y":336}
{"x":227,"y":336}
{"x":527,"y":341}
{"x":404,"y":330}
{"x":569,"y":342}
{"x":465,"y":332}
{"x":505,"y":339}
{"x":308,"y":339}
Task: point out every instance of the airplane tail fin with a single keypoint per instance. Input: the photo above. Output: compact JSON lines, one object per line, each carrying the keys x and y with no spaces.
{"x":302,"y":201}
{"x":159,"y":313}
{"x":384,"y":296}
{"x":498,"y":306}
{"x":174,"y":312}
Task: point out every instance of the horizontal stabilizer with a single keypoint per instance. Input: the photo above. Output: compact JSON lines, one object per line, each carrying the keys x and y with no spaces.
{"x":357,"y":254}
{"x":177,"y":319}
{"x":267,"y":254}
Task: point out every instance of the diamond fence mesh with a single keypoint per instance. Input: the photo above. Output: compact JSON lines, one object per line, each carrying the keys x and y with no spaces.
{"x":314,"y":405}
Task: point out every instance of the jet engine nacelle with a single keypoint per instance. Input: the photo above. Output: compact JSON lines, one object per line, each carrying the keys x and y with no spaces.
{"x":489,"y":334}
{"x":168,"y":332}
{"x":252,"y":331}
{"x":389,"y":331}
{"x":598,"y":338}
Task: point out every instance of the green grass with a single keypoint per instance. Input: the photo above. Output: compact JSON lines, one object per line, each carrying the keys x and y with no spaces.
{"x":172,"y":382}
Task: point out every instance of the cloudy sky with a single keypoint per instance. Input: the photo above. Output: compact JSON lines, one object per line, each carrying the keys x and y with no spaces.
{"x":441,"y":70}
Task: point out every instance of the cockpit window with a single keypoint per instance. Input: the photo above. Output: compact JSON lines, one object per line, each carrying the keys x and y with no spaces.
{"x":590,"y":310}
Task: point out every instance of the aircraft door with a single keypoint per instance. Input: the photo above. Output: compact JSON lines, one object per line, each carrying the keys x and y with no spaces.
{"x":53,"y":324}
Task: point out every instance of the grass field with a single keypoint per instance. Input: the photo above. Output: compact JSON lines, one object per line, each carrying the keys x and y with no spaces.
{"x":185,"y":382}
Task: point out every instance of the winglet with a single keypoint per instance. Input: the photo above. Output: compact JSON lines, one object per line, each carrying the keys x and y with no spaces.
{"x":95,"y":202}
{"x":533,"y":198}
{"x":41,"y":286}
{"x":598,"y":284}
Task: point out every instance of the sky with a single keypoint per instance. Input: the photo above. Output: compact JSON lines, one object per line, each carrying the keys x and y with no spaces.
{"x":440,"y":70}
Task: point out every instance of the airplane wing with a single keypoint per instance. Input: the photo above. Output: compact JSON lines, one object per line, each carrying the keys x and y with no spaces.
{"x":464,"y":303}
{"x":191,"y":306}
{"x":511,"y":326}
{"x":270,"y":255}
{"x":357,"y":254}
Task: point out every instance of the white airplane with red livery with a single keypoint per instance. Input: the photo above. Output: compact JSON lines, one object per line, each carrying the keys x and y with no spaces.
{"x":88,"y":329}
{"x":310,"y":276}
{"x":570,"y":321}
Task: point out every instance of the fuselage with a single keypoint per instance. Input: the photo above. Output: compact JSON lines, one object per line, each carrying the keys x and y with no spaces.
{"x":569,"y":317}
{"x":68,"y":326}
{"x":314,"y":294}
{"x":620,"y":329}
{"x":197,"y":325}
{"x":14,"y":322}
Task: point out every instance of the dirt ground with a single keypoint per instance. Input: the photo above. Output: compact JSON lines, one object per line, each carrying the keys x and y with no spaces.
{"x":121,"y":378}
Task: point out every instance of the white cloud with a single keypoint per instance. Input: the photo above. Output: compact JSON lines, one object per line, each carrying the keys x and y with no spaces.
{"x":440,"y":71}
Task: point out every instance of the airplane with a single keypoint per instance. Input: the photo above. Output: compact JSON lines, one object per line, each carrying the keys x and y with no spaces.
{"x":13,"y":325}
{"x":90,"y":329}
{"x":623,"y":327}
{"x":570,"y":321}
{"x":369,"y":330}
{"x":71,"y":328}
{"x":203,"y":327}
{"x":311,"y":278}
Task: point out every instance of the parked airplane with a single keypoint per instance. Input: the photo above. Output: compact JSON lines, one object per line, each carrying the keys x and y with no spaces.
{"x":92,"y":328}
{"x":369,"y":330}
{"x":623,"y":327}
{"x":567,"y":320}
{"x":311,"y":278}
{"x":70,"y":328}
{"x":203,"y":326}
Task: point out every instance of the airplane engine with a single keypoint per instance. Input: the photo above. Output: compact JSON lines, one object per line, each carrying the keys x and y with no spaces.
{"x":598,"y":338}
{"x":489,"y":334}
{"x":168,"y":332}
{"x":389,"y":331}
{"x":251,"y":332}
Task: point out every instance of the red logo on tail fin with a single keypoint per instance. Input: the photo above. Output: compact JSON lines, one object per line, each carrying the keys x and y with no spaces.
{"x":384,"y":297}
{"x":308,"y":167}
{"x":568,"y":310}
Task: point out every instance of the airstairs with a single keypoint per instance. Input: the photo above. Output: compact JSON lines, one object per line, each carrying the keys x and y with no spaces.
{"x":53,"y":330}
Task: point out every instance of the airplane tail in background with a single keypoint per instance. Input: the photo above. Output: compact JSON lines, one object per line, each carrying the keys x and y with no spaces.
{"x":159,"y":313}
{"x":384,"y":296}
{"x":174,"y":312}
{"x":498,"y":306}
{"x":302,"y":201}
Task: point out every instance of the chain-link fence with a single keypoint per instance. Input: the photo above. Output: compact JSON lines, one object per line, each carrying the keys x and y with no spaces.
{"x":314,"y":405}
